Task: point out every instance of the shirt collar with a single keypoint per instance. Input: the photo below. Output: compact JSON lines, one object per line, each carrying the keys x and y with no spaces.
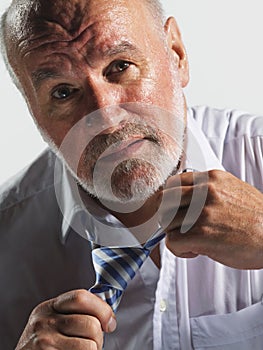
{"x":88,"y":220}
{"x":198,"y":155}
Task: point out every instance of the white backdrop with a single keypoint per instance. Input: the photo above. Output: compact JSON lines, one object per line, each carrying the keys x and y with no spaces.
{"x":225,"y":48}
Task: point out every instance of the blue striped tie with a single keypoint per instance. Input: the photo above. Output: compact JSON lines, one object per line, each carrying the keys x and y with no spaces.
{"x":115,"y":267}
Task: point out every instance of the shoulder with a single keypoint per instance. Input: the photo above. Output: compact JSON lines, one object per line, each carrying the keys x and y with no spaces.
{"x":236,"y":138}
{"x":227,"y":123}
{"x":29,"y":182}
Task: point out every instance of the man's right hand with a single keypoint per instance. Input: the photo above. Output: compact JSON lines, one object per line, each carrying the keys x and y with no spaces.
{"x":73,"y":321}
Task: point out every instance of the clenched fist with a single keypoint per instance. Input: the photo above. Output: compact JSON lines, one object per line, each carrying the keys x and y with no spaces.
{"x":73,"y":321}
{"x":225,"y":223}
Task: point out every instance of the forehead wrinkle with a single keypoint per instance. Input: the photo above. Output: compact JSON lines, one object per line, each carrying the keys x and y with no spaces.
{"x":49,"y":29}
{"x":38,"y":30}
{"x":54,"y":39}
{"x":108,"y":51}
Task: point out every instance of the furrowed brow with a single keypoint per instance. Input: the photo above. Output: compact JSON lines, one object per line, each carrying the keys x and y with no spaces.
{"x":42,"y":74}
{"x":123,"y":47}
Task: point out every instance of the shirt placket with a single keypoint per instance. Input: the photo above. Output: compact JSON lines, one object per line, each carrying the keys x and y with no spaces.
{"x":165,"y":327}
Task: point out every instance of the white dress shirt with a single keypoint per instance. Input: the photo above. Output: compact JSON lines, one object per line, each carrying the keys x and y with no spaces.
{"x":204,"y":304}
{"x":188,"y":304}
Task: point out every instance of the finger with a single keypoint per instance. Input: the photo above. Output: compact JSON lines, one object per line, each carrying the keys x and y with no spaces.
{"x":177,"y":196}
{"x":180,"y":244}
{"x":81,"y":326}
{"x":73,"y":343}
{"x":187,"y":179}
{"x":173,"y":200}
{"x":56,"y":341}
{"x":80,"y":344}
{"x":183,"y":195}
{"x":179,"y":222}
{"x":84,"y":302}
{"x":182,"y":206}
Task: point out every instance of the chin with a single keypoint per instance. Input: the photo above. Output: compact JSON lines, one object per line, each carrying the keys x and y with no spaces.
{"x":132,"y":181}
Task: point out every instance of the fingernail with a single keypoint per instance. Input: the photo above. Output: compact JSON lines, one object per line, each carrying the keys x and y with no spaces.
{"x":112,"y":325}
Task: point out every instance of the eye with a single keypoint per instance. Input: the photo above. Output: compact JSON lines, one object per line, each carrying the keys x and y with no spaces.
{"x":118,"y":67}
{"x":63,"y":92}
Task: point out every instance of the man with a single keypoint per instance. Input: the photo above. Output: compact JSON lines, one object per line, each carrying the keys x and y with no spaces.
{"x":103,"y":81}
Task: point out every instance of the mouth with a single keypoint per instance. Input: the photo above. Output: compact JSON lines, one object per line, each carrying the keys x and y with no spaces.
{"x":124,"y":149}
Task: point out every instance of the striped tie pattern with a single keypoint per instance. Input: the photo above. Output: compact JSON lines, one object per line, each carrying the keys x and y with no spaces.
{"x":115,"y":267}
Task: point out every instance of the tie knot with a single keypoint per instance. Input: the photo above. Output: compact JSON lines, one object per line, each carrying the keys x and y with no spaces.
{"x":115,"y":267}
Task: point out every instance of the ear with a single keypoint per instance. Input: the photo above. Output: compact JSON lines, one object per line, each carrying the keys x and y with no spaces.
{"x":178,"y":50}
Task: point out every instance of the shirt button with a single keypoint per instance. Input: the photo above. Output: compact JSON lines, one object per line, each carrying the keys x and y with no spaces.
{"x":163,"y":305}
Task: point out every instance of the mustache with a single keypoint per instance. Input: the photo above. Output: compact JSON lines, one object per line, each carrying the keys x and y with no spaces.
{"x":100,"y":143}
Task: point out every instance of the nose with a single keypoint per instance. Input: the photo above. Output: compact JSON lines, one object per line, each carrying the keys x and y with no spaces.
{"x":104,"y":102}
{"x":104,"y":94}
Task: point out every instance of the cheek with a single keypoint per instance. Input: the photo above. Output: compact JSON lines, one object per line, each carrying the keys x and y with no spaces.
{"x":52,"y":131}
{"x":148,"y":91}
{"x":161,"y":89}
{"x":53,"y":128}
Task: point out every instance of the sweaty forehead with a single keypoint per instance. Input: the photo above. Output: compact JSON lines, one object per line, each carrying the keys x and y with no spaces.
{"x":29,"y":18}
{"x":48,"y":25}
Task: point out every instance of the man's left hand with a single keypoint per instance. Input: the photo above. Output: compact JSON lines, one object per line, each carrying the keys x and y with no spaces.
{"x":229,"y":228}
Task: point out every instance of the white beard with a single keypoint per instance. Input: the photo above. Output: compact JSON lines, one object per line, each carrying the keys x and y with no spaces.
{"x":117,"y":185}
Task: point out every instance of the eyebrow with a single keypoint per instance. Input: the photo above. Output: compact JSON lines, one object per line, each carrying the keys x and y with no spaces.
{"x":41,"y":74}
{"x":123,"y":47}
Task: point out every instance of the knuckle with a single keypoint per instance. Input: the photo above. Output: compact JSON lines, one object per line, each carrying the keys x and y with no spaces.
{"x":107,"y":311}
{"x":80,"y":296}
{"x":205,"y":230}
{"x":93,"y":324}
{"x":96,"y":333}
{"x":203,"y":223}
{"x":66,"y":322}
{"x":42,"y":341}
{"x":212,"y":191}
{"x":89,"y":344}
{"x":41,"y":319}
{"x":40,"y":323}
{"x":206,"y":215}
{"x":214,"y":174}
{"x":37,"y":325}
{"x":92,"y":345}
{"x":39,"y":309}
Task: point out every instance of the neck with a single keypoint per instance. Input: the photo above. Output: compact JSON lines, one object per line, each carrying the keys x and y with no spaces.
{"x":141,"y":215}
{"x":142,"y":222}
{"x":134,"y":219}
